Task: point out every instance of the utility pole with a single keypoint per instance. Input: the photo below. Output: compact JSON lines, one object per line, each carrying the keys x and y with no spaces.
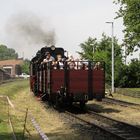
{"x":112,"y":23}
{"x":23,"y":55}
{"x":93,"y":50}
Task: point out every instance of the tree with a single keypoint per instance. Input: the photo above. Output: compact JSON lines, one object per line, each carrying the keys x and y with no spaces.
{"x":88,"y":48}
{"x":130,"y":75}
{"x":130,"y":12}
{"x":7,"y":53}
{"x":101,"y":51}
{"x":25,"y":66}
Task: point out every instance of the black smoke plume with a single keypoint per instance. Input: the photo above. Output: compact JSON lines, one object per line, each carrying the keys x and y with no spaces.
{"x":26,"y":33}
{"x":31,"y":28}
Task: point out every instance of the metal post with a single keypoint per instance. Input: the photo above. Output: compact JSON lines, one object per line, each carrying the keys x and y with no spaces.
{"x":67,"y":53}
{"x":25,"y":124}
{"x":112,"y":23}
{"x":112,"y":57}
{"x":93,"y":50}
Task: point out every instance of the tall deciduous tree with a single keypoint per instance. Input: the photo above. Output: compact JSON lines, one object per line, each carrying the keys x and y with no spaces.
{"x":101,"y":50}
{"x":130,"y":12}
{"x":88,"y":48}
{"x":7,"y":53}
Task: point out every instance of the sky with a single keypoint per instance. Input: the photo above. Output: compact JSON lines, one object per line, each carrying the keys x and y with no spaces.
{"x":73,"y":21}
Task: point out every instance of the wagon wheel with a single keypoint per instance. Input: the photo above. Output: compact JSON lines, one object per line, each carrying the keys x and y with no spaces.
{"x":68,"y":103}
{"x":57,"y":104}
{"x":99,"y":98}
{"x":44,"y":97}
{"x":82,"y":104}
{"x":58,"y":100}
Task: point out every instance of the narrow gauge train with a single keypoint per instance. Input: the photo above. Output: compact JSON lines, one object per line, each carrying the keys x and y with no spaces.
{"x":66,"y":85}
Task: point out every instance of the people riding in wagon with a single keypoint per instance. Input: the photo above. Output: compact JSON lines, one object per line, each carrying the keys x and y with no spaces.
{"x":48,"y":58}
{"x":59,"y":62}
{"x":71,"y":62}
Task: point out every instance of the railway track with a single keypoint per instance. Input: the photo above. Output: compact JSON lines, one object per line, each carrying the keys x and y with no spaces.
{"x":121,"y":103}
{"x":117,"y":129}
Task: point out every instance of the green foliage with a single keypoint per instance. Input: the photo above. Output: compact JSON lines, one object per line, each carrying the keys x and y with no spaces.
{"x":25,"y":66}
{"x":130,"y":75}
{"x":125,"y":75}
{"x":88,"y":48}
{"x":130,"y":12}
{"x":101,"y":51}
{"x":7,"y":53}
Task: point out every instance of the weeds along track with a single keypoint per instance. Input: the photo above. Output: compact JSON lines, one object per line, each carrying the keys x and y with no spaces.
{"x":8,"y":81}
{"x":129,"y":92}
{"x":117,"y":129}
{"x":25,"y":114}
{"x":121,"y":103}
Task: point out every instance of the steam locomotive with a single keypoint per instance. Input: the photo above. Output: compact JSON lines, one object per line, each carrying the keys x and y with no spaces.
{"x":84,"y":82}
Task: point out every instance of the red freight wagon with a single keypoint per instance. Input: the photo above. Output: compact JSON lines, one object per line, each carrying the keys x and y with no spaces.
{"x":65,"y":85}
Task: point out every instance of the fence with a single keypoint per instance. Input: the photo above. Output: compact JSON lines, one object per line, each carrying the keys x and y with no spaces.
{"x":22,"y":122}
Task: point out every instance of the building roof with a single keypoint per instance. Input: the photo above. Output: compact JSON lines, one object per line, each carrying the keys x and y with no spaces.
{"x":11,"y":62}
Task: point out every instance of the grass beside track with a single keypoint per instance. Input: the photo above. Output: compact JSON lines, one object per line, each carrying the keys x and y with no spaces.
{"x":134,"y":89}
{"x":50,"y":121}
{"x":133,"y":92}
{"x":5,"y":131}
{"x":126,"y":94}
{"x":126,"y":98}
{"x":13,"y":90}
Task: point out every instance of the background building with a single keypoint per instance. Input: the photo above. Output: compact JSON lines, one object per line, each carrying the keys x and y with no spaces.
{"x":12,"y":67}
{"x":4,"y":75}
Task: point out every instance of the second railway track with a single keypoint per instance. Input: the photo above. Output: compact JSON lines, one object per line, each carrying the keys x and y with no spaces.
{"x":121,"y":103}
{"x":117,"y":129}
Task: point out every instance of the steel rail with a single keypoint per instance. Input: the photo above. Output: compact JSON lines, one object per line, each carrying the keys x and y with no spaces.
{"x":118,"y":123}
{"x":121,"y":103}
{"x":117,"y":129}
